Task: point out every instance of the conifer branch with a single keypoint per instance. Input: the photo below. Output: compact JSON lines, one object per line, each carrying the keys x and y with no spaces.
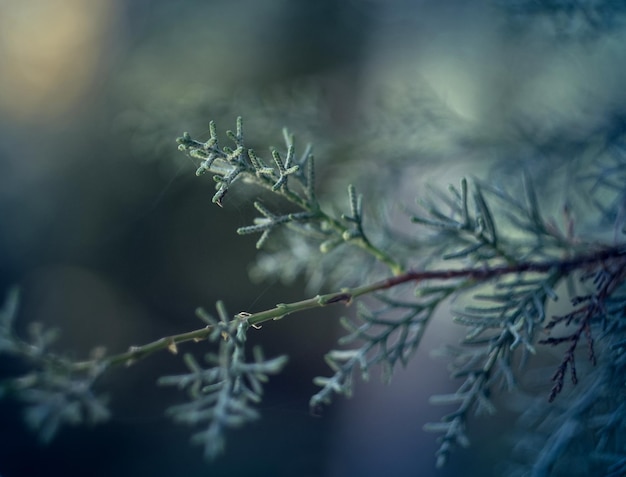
{"x":515,"y":257}
{"x":347,"y":295}
{"x":229,"y":165}
{"x":223,"y":395}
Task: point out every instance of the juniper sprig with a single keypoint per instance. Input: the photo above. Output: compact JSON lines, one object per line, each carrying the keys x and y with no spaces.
{"x":491,"y":250}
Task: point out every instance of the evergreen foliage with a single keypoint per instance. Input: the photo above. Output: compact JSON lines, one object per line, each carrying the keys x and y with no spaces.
{"x":486,"y":245}
{"x":222,"y":394}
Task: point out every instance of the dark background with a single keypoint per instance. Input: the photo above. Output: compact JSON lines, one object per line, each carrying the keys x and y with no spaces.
{"x":113,"y":240}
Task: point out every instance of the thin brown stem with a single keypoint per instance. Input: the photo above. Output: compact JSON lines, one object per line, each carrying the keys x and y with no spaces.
{"x":347,"y":295}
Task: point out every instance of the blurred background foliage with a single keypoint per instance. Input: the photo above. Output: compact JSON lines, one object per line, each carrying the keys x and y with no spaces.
{"x":115,"y":241}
